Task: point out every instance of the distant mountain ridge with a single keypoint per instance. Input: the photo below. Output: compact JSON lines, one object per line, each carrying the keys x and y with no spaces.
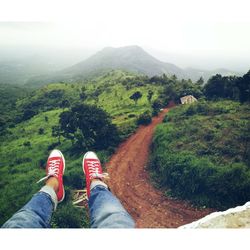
{"x":195,"y":74}
{"x":129,"y":58}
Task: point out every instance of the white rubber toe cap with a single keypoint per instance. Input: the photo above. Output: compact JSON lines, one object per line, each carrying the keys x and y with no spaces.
{"x":55,"y":153}
{"x":90,"y":155}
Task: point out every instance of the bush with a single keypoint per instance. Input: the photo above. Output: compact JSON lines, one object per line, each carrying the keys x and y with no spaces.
{"x":41,"y":131}
{"x":144,"y":119}
{"x":27,"y":144}
{"x":131,"y":115}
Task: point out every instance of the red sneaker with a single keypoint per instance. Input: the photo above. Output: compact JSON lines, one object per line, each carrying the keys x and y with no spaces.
{"x":92,"y":169}
{"x":55,"y":167}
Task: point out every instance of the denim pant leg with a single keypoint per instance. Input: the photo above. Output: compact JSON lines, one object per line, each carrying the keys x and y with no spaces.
{"x":35,"y":214}
{"x":106,"y":211}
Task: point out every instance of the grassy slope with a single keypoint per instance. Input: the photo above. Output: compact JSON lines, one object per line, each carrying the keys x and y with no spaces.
{"x":8,"y":96}
{"x":200,"y":153}
{"x":21,"y":166}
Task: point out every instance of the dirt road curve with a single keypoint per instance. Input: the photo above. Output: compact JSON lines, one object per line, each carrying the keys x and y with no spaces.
{"x":129,"y":181}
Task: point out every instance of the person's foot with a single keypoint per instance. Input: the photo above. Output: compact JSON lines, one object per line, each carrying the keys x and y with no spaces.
{"x":55,"y":168}
{"x":92,"y":169}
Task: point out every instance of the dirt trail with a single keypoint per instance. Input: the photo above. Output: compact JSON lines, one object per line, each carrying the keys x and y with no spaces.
{"x":131,"y":184}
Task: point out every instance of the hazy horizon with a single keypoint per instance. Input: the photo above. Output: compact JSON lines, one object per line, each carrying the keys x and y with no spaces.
{"x":207,"y":35}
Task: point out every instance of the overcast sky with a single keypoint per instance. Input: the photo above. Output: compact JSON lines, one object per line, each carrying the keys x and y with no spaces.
{"x":198,"y":33}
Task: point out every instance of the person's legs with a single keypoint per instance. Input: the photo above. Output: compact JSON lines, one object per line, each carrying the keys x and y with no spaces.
{"x":38,"y":211}
{"x":106,"y":211}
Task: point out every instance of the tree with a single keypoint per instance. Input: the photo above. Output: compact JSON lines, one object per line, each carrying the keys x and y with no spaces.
{"x":200,"y":81}
{"x":156,"y":106}
{"x":214,"y":87}
{"x":144,"y":119}
{"x":83,"y":94}
{"x":150,"y":95}
{"x":226,"y":87}
{"x":28,"y":113}
{"x":170,"y":93}
{"x":64,"y":104}
{"x":88,"y":127}
{"x":244,"y":87}
{"x":136,"y":96}
{"x":174,"y":77}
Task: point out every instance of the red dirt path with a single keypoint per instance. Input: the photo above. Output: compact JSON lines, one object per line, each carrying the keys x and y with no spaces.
{"x":130,"y":183}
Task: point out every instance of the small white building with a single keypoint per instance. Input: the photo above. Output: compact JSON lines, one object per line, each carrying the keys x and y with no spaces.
{"x":188,"y":99}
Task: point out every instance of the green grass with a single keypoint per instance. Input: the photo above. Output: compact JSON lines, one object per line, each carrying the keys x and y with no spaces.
{"x":20,"y":165}
{"x":200,"y":153}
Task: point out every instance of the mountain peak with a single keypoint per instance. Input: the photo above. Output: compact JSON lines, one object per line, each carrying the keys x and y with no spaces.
{"x":129,"y":58}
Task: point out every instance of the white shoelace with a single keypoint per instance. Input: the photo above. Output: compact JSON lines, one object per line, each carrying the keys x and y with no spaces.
{"x":53,"y":170}
{"x":93,"y":167}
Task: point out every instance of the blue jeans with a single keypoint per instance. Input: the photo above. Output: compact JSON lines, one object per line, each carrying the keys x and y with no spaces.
{"x":106,"y":211}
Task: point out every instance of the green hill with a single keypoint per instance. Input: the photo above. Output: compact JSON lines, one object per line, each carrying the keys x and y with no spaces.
{"x":201,"y":153}
{"x":26,"y":144}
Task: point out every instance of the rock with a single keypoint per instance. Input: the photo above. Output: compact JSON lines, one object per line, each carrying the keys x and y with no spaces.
{"x":238,"y":217}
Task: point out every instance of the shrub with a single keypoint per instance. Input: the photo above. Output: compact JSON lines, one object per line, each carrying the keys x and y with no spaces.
{"x":144,"y":119}
{"x":156,"y":106}
{"x":41,"y":131}
{"x":27,"y":144}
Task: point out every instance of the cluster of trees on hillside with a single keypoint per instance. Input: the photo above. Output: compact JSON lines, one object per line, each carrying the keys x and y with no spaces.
{"x":218,"y":87}
{"x":228,"y":87}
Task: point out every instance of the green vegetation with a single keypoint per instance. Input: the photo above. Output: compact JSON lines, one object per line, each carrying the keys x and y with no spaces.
{"x":88,"y":128}
{"x":9,"y":94}
{"x":144,"y":119}
{"x":229,"y":87}
{"x":201,"y":153}
{"x":136,"y":96}
{"x":34,"y":130}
